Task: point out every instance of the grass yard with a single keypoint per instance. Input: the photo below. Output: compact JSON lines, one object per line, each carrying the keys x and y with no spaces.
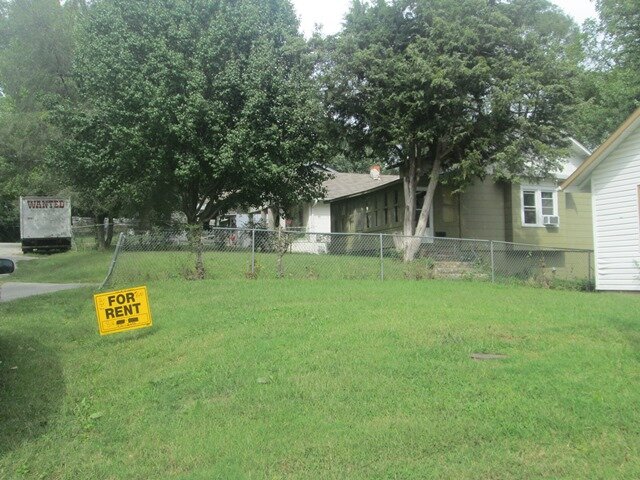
{"x":134,"y":267}
{"x":69,"y":267}
{"x":92,"y":267}
{"x":321,"y":379}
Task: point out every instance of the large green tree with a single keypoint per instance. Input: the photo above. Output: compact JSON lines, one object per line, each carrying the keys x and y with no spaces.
{"x":620,"y":21}
{"x":610,"y":86}
{"x":452,"y":88}
{"x":24,"y":137}
{"x":36,"y":48}
{"x":199,"y":105}
{"x":36,"y":51}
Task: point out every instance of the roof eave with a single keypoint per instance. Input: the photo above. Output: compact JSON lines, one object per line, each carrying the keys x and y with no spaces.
{"x":362,"y":192}
{"x":580,"y":147}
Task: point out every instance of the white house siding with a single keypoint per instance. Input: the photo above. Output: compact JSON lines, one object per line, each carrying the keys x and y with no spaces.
{"x":316,"y":218}
{"x":244,"y":220}
{"x":319,"y":217}
{"x":577,"y":155}
{"x":614,"y":188}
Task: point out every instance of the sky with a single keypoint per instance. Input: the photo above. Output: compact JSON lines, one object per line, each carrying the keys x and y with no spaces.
{"x":329,"y":13}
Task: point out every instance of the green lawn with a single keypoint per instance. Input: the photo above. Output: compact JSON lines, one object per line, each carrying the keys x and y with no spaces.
{"x":132,"y":267}
{"x":324,"y":379}
{"x":69,"y":267}
{"x":144,"y":266}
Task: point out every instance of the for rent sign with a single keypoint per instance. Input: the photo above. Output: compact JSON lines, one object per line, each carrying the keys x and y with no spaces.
{"x":122,"y":310}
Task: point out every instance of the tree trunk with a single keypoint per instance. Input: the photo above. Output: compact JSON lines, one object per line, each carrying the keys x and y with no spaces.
{"x":283,"y":242}
{"x":99,"y":231}
{"x":281,"y":249}
{"x":144,"y":221}
{"x":195,"y":242}
{"x":413,"y":240}
{"x":410,"y":184}
{"x":272,"y":218}
{"x":109,"y":235}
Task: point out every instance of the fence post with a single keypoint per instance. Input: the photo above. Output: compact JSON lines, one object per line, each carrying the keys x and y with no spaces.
{"x":381,"y":260}
{"x":493,"y":265}
{"x":114,"y":259}
{"x":253,"y":251}
{"x":589,"y":267}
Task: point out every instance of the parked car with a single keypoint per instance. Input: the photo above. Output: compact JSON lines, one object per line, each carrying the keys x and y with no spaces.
{"x":6,"y":267}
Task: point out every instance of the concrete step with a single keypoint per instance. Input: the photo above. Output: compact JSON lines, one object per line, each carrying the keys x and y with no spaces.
{"x":457,"y":269}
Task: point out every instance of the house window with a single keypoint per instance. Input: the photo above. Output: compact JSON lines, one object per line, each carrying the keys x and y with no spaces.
{"x":395,"y":206}
{"x":538,"y":203}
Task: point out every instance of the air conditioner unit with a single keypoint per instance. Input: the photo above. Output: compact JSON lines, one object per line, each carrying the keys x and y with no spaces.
{"x":551,"y":220}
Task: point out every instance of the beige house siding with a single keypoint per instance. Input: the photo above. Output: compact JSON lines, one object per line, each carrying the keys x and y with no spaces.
{"x":446,"y":213}
{"x":486,"y":210}
{"x":476,"y":213}
{"x":483,"y":211}
{"x":385,"y":208}
{"x":508,"y":209}
{"x":575,"y":230}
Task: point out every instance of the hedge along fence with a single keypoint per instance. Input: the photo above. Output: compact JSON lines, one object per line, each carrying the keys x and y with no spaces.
{"x":262,"y":254}
{"x":9,"y":231}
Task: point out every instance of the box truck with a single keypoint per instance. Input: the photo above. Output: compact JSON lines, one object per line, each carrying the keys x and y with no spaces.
{"x":45,"y":224}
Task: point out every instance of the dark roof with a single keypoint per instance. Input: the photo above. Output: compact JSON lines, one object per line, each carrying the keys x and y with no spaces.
{"x":341,"y":185}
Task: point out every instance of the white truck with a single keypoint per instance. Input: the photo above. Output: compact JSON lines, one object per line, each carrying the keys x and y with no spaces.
{"x":45,"y":224}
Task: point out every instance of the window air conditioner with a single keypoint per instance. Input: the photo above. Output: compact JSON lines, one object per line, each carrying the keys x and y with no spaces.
{"x":551,"y":220}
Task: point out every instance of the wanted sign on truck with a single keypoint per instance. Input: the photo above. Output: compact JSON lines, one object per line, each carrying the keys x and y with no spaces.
{"x":45,"y":223}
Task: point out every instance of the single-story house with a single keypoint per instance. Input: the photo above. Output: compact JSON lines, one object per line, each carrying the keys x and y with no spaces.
{"x":317,"y":217}
{"x":533,"y":213}
{"x":612,"y":176}
{"x":525,"y":217}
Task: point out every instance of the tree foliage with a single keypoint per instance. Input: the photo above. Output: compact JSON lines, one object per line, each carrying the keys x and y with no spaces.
{"x":196,"y":105}
{"x":609,"y":87}
{"x":451,"y":88}
{"x":620,"y":21}
{"x":36,"y":47}
{"x":36,"y":52}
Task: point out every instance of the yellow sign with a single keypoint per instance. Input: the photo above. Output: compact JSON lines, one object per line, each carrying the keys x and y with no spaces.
{"x":122,"y":310}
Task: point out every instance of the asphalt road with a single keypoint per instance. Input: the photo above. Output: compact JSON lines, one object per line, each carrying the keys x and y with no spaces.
{"x":14,"y":290}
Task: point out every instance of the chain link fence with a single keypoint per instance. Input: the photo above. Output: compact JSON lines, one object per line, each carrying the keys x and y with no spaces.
{"x":86,"y":237}
{"x":229,"y":253}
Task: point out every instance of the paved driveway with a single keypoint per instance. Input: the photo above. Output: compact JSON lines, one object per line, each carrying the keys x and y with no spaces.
{"x":14,"y":290}
{"x":14,"y":252}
